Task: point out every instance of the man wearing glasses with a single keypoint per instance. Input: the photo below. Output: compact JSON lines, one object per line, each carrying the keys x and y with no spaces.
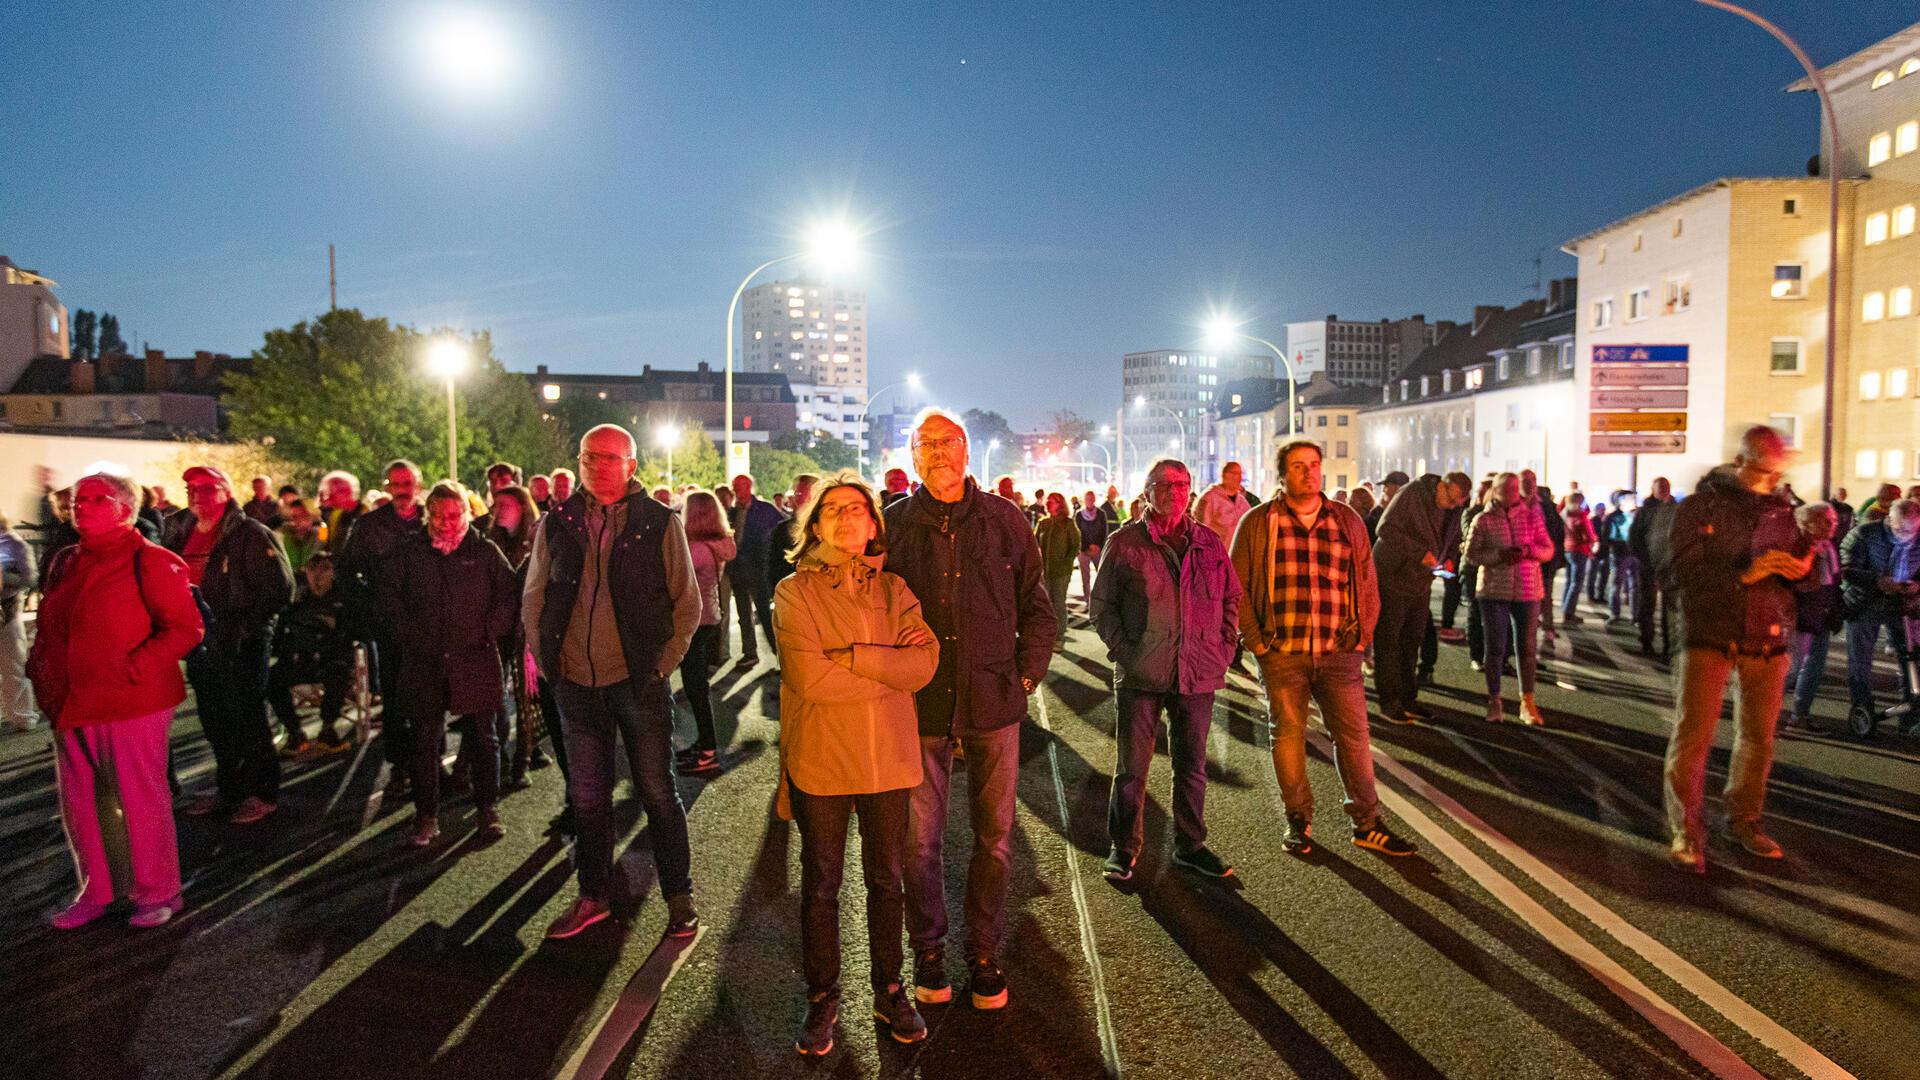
{"x":972,"y":561}
{"x":372,"y":549}
{"x":610,"y":605}
{"x":1734,"y":555}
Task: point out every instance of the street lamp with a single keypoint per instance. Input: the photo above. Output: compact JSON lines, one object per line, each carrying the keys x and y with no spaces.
{"x":986,"y":462}
{"x":831,"y":246}
{"x":912,"y":380}
{"x":1104,"y":451}
{"x":1224,"y":333}
{"x":448,"y":358}
{"x":665,"y":437}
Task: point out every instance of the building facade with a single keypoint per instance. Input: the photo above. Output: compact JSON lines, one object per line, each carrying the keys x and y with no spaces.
{"x":1358,"y":353}
{"x":1330,"y":416}
{"x":763,"y":403}
{"x":816,"y":335}
{"x":33,"y":321}
{"x":155,"y":393}
{"x":1168,"y":394}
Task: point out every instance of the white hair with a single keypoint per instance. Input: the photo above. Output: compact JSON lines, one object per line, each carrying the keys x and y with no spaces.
{"x":353,"y":481}
{"x":935,"y":412}
{"x":125,"y":492}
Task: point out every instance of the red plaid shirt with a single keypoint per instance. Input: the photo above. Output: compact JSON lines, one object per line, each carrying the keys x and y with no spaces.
{"x":1309,"y":582}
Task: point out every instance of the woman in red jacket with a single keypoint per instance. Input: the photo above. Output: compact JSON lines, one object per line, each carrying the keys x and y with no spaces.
{"x":116,"y":621}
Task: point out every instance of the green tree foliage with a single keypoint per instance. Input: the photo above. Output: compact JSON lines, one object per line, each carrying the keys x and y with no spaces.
{"x":576,"y":414}
{"x":83,"y":328}
{"x":983,"y":426}
{"x":111,"y":343}
{"x":774,"y":470}
{"x":696,"y":460}
{"x":828,"y":453}
{"x":1069,"y":427}
{"x":345,"y":391}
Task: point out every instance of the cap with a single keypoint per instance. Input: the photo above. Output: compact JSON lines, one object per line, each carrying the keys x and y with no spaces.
{"x":205,"y":472}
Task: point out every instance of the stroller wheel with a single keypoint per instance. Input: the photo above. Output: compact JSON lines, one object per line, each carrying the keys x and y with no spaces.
{"x":1860,"y":721}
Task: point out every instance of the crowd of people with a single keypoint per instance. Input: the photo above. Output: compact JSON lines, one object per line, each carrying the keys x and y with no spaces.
{"x":910,"y":624}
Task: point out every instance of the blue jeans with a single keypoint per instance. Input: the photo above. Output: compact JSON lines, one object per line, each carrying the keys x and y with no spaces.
{"x":1576,"y":577}
{"x":1808,"y":667}
{"x":993,"y":779}
{"x":1509,"y":623}
{"x":640,"y":712}
{"x":1189,"y":717}
{"x":1862,"y":635}
{"x":1334,"y":682}
{"x":1626,"y":584}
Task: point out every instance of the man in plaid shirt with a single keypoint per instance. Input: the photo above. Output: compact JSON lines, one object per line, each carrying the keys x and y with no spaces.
{"x":1308,"y":606}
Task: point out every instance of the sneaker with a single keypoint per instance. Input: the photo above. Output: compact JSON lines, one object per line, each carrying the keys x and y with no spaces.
{"x":253,"y":809}
{"x":295,"y":747}
{"x":987,"y":984}
{"x":148,"y":916}
{"x":1376,"y":838}
{"x":1476,"y":665}
{"x":894,"y":1008}
{"x":1119,"y":866}
{"x":1571,"y":619}
{"x":1496,"y":710}
{"x":579,"y":915}
{"x":816,"y":1031}
{"x":1687,"y":856}
{"x":328,"y":745}
{"x":699,"y":761}
{"x":1418,"y":712}
{"x":1452,"y":636}
{"x":539,"y":760}
{"x":425,"y":831}
{"x":76,"y":915}
{"x":18,"y":723}
{"x":1402,"y":717}
{"x":563,"y":823}
{"x":1202,"y":860}
{"x":203,"y":806}
{"x":1530,"y":712}
{"x":1299,"y":836}
{"x":489,"y":826}
{"x":682,"y":920}
{"x":930,"y":985}
{"x":1756,"y":841}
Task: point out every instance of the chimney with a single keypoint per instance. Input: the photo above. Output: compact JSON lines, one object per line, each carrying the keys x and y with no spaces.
{"x":540,"y":369}
{"x":80,"y":377}
{"x":202,"y":364}
{"x":156,"y":371}
{"x":1483,"y":312}
{"x":702,"y":367}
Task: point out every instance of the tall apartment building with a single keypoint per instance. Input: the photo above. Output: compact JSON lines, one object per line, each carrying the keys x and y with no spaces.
{"x":1366,"y":354}
{"x":1179,"y":388}
{"x":1876,"y":99}
{"x":816,"y":335}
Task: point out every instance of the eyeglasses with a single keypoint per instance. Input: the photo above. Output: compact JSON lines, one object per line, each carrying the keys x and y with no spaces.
{"x":831,"y":511}
{"x":591,"y":458}
{"x":951,"y":442}
{"x":1171,"y":485}
{"x":203,"y":489}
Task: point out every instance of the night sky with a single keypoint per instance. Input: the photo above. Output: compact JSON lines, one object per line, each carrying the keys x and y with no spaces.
{"x":1047,"y":185}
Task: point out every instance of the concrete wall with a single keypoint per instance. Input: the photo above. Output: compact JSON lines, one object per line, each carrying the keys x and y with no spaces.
{"x":150,"y":461}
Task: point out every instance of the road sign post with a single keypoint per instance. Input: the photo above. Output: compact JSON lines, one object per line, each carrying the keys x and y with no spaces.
{"x":1626,"y":381}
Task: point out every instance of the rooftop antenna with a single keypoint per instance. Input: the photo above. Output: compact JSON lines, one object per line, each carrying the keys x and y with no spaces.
{"x":333,"y":285}
{"x":1539,"y":256}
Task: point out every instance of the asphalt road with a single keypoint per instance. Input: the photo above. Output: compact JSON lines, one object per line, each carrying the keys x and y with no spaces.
{"x":1538,"y":933}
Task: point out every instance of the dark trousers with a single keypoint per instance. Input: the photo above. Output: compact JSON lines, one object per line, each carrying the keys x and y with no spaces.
{"x":639,"y":714}
{"x":1512,"y":624}
{"x":230,"y":687}
{"x":291,"y":671}
{"x":1599,"y":572}
{"x":1429,"y":652}
{"x":1548,"y":572}
{"x":1451,"y":591}
{"x":993,"y":779}
{"x":556,"y":730}
{"x":1863,"y":635}
{"x":1189,"y":716}
{"x":1396,"y":649}
{"x":1651,"y":601}
{"x":1476,"y":630}
{"x":480,"y":731}
{"x":695,"y":669}
{"x":396,"y":727}
{"x":753,"y":603}
{"x":823,"y":823}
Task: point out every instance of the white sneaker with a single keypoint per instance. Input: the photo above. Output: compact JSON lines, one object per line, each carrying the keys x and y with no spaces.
{"x":148,"y":916}
{"x":1530,"y":713}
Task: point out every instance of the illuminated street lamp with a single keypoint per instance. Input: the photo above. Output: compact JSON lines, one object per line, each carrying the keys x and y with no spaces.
{"x":448,"y":358}
{"x":912,"y":380}
{"x":1224,"y":333}
{"x":986,"y":462}
{"x":831,"y":246}
{"x":666,"y":436}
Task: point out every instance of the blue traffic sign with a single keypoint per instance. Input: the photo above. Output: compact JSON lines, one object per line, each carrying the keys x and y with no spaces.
{"x":1639,"y":354}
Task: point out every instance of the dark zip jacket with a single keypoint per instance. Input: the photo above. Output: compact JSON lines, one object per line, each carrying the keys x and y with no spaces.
{"x":247,"y":581}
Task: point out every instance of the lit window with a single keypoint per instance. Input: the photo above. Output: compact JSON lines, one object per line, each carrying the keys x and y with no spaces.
{"x":1566,"y":356}
{"x":1903,"y":220}
{"x":1877,"y":227}
{"x":794,"y":334}
{"x":1897,"y":383}
{"x":550,"y":392}
{"x":1637,"y":304}
{"x":758,"y":334}
{"x":795,"y":291}
{"x":1863,"y":464}
{"x":1881,"y":79}
{"x":1893,"y":463}
{"x":1474,"y":378}
{"x":1874,"y":307}
{"x":839,"y":337}
{"x":1787,"y":282}
{"x":603,"y":395}
{"x":1906,"y":138}
{"x":1879,"y":148}
{"x":1909,"y":66}
{"x":1870,"y":386}
{"x":1501,"y":362}
{"x":1786,"y":357}
{"x":1788,"y":425}
{"x":1901,"y":303}
{"x":794,"y":356}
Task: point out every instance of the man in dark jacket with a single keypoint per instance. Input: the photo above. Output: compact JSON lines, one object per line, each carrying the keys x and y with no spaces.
{"x":1736,"y":553}
{"x":610,"y":606}
{"x":1094,"y":529}
{"x":245,"y":583}
{"x":786,"y":534}
{"x":1411,"y":543}
{"x":1531,"y":488}
{"x":1167,"y":605}
{"x":1389,"y":487}
{"x":1648,"y":539}
{"x":263,"y":507}
{"x":1878,"y":564}
{"x":312,"y":645}
{"x":972,"y":561}
{"x":371,"y":547}
{"x":753,"y":521}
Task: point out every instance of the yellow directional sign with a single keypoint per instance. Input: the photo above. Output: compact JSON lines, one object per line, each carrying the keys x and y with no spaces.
{"x":1637,"y":421}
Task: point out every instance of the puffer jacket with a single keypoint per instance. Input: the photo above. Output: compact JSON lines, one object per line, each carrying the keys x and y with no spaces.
{"x":850,"y":730}
{"x":111,"y":632}
{"x":1169,"y":622}
{"x":710,"y":559}
{"x":247,"y":583}
{"x":1501,"y":527}
{"x":449,"y":612}
{"x":1866,"y":556}
{"x":1716,"y":533}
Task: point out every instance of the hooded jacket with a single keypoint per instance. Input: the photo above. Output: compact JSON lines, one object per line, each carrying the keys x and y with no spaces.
{"x":1866,"y":556}
{"x":1412,"y":528}
{"x":1716,"y":534}
{"x":1169,"y":621}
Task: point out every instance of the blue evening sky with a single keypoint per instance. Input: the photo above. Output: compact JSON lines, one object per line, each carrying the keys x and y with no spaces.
{"x":1049,"y":184}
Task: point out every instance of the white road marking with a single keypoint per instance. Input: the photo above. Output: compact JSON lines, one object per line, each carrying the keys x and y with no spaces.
{"x":1691,"y":1037}
{"x":1109,"y":1047}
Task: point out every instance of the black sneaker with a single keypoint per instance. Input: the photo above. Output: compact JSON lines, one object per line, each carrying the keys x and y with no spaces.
{"x":1418,"y":712}
{"x":1376,"y":838}
{"x":1202,"y":860}
{"x":894,"y":1008}
{"x":1119,"y":866}
{"x":682,"y":922}
{"x":930,"y":985}
{"x":816,"y":1032}
{"x":988,"y":984}
{"x":1299,"y":837}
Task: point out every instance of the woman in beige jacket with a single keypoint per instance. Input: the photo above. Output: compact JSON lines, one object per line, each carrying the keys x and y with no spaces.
{"x":853,"y":649}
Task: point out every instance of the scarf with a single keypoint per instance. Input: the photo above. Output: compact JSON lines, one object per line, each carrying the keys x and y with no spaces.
{"x":841,"y":567}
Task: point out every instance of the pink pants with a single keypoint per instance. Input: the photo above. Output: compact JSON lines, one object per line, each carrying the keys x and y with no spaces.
{"x":131,"y":758}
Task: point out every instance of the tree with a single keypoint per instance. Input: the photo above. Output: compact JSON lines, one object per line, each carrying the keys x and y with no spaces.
{"x":82,"y":327}
{"x":1069,"y":427}
{"x":111,"y":343}
{"x":774,"y":470}
{"x":576,"y":414}
{"x":827,"y":452}
{"x":696,"y":460}
{"x":983,"y":426}
{"x":345,"y":391}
